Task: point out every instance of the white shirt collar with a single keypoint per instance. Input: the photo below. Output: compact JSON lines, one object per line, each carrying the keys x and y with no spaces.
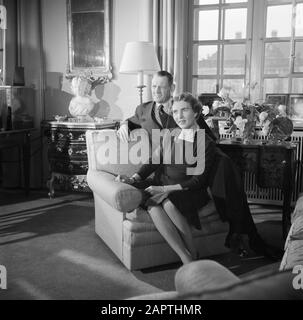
{"x":188,"y":134}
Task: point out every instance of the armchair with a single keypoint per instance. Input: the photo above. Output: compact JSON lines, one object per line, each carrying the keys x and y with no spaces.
{"x":124,"y":226}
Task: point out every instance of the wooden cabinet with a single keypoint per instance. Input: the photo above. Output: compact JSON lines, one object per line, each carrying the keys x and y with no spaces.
{"x":67,"y":153}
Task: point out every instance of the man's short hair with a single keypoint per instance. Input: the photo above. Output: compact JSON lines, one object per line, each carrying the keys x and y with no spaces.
{"x":166,"y":74}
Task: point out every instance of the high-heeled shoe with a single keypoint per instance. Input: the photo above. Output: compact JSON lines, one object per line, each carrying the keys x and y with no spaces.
{"x":236,"y":243}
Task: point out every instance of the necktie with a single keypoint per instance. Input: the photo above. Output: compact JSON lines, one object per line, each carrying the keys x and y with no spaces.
{"x":163,"y":115}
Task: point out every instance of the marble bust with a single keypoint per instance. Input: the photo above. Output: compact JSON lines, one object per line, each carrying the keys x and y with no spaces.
{"x":82,"y":103}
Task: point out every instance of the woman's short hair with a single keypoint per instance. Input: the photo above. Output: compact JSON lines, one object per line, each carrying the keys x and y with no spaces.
{"x":193,"y":102}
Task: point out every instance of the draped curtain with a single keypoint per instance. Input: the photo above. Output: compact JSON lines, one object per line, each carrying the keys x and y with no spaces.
{"x":169,"y":33}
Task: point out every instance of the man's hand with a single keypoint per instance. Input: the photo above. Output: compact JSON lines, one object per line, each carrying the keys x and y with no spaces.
{"x":122,"y":133}
{"x":125,"y":179}
{"x":152,"y":190}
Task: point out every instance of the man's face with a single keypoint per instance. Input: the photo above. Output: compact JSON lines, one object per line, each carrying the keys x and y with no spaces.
{"x":161,"y":90}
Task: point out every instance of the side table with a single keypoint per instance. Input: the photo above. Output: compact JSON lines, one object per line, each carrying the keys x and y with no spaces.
{"x":273,"y":164}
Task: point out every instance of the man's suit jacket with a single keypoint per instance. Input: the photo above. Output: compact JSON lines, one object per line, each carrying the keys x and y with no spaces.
{"x":143,"y":119}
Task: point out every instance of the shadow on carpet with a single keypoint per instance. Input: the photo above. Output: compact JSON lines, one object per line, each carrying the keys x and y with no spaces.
{"x":55,"y":254}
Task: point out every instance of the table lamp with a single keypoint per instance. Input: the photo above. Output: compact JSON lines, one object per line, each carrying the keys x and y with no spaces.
{"x":139,"y":57}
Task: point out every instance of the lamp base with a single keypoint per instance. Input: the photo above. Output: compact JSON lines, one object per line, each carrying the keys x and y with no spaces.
{"x":141,"y":92}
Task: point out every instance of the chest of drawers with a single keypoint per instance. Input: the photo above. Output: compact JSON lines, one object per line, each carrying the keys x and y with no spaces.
{"x":67,"y":153}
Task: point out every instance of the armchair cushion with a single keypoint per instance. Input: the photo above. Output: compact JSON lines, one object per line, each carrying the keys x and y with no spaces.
{"x":293,"y":254}
{"x":294,"y":243}
{"x":121,"y":196}
{"x":208,"y":280}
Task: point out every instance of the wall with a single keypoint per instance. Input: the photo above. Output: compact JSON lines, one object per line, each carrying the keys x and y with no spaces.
{"x":119,"y":97}
{"x":44,"y":56}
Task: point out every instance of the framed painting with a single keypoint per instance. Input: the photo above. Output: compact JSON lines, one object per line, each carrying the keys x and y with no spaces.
{"x":207,"y":99}
{"x":296,"y":109}
{"x":277,"y":99}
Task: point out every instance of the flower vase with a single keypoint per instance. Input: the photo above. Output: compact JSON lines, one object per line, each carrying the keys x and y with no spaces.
{"x":235,"y":137}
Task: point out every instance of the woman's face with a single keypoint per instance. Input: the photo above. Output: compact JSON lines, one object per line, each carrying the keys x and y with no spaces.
{"x":183,"y":114}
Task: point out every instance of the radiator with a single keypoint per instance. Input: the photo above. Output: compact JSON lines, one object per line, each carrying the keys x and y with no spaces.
{"x":273,"y":195}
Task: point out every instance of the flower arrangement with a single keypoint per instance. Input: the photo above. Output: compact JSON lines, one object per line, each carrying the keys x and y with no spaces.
{"x":274,"y":122}
{"x":243,"y":117}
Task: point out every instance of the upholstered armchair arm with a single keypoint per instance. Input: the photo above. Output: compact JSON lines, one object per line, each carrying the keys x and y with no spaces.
{"x":121,"y":196}
{"x":198,"y":276}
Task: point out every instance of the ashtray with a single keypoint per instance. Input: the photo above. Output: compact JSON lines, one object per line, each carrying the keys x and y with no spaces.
{"x":60,"y":118}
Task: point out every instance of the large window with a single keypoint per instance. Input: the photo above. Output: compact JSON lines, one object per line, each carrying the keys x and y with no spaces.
{"x":282,"y":56}
{"x":220,"y":46}
{"x":252,"y":47}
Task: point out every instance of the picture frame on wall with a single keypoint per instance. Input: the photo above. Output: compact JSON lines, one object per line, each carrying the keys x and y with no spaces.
{"x":296,"y":109}
{"x":207,"y":99}
{"x":276,"y":99}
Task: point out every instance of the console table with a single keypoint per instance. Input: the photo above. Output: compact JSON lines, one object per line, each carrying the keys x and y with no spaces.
{"x":67,"y":153}
{"x":273,"y":165}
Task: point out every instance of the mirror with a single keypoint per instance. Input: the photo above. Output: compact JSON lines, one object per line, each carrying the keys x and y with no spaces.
{"x":88,"y":38}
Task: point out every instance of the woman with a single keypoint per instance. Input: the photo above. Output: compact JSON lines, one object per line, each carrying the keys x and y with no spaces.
{"x":173,"y":198}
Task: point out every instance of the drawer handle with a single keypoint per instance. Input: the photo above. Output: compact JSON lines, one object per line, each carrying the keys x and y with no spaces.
{"x":81,"y":137}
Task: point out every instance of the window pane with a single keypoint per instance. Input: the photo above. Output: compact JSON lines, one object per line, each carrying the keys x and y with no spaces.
{"x":276,"y":85}
{"x":283,"y":1}
{"x":234,"y":59}
{"x":208,"y":25}
{"x":88,"y":5}
{"x":277,"y":58}
{"x":206,"y":62}
{"x":234,"y":1}
{"x":297,"y":85}
{"x":204,"y":86}
{"x":235,"y":23}
{"x":298,"y":67}
{"x":202,"y":2}
{"x":299,"y":20}
{"x":279,"y":21}
{"x":236,"y":87}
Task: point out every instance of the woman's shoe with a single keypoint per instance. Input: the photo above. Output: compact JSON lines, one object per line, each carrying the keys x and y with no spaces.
{"x":236,"y":243}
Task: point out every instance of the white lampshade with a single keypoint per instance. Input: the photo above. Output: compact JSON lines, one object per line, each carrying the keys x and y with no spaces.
{"x":139,"y":56}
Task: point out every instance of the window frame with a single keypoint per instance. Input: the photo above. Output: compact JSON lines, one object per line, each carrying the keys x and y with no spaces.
{"x":220,"y":43}
{"x":256,"y":40}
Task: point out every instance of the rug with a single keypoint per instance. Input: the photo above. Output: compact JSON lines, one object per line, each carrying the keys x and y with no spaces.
{"x":51,"y":251}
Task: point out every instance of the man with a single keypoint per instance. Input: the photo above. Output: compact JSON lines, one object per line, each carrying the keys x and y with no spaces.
{"x":156,"y":114}
{"x":224,"y":181}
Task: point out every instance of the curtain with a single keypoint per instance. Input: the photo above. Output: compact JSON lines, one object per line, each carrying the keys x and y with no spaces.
{"x":169,"y":33}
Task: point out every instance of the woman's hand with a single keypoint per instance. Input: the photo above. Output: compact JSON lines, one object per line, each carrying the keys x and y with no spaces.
{"x":125,"y":179}
{"x":153,"y":190}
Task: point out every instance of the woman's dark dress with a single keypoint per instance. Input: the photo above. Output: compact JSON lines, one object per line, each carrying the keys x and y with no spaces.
{"x":193,"y":195}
